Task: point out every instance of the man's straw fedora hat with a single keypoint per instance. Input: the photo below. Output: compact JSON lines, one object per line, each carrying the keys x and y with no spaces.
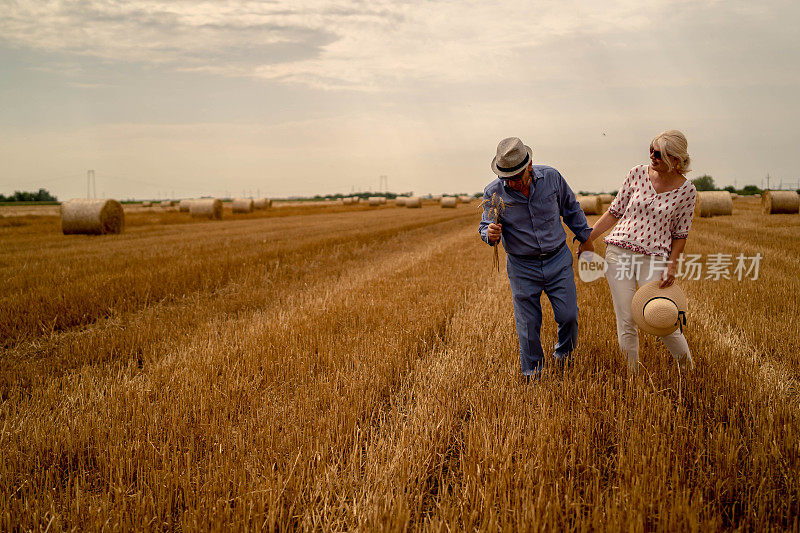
{"x":512,"y":157}
{"x":659,"y":311}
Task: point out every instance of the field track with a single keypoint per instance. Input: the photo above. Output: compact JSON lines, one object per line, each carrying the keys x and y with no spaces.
{"x":335,"y":367}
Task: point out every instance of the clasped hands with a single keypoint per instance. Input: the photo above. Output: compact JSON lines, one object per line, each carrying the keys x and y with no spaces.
{"x":667,"y":278}
{"x":585,"y":246}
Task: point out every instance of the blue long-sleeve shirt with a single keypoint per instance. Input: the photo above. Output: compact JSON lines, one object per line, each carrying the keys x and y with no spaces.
{"x":532,"y":225}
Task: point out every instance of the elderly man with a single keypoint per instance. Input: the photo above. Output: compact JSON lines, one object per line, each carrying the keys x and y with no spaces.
{"x":536,"y":198}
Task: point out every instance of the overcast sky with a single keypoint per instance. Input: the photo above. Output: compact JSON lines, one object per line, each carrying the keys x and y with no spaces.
{"x":184,"y":98}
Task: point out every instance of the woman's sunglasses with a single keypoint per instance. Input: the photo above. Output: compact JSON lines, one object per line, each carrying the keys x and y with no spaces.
{"x":655,"y":153}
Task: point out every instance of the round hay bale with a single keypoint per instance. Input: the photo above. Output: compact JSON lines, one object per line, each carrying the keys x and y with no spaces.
{"x":147,"y":203}
{"x":756,"y":196}
{"x":464,"y":199}
{"x":356,"y":199}
{"x":262,"y":203}
{"x":449,"y":201}
{"x":606,"y":198}
{"x":713,"y":203}
{"x":734,"y":196}
{"x":413,"y":201}
{"x":400,"y":200}
{"x":92,"y":217}
{"x":166,"y":203}
{"x":374,"y":200}
{"x":776,"y":202}
{"x":242,"y":205}
{"x":591,"y":204}
{"x":206,"y":208}
{"x":383,"y":200}
{"x":183,"y":205}
{"x":347,"y":200}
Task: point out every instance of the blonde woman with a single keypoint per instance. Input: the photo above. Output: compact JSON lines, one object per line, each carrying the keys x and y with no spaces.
{"x":651,"y":217}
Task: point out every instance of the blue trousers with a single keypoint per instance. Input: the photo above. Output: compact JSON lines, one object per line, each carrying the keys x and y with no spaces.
{"x":528,"y":278}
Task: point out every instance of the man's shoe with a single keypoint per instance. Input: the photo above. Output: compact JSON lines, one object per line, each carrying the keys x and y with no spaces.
{"x":532,"y":375}
{"x":563,"y":362}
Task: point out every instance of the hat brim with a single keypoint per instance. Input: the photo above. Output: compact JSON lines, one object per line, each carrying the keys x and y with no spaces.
{"x":651,"y":290}
{"x":502,"y":174}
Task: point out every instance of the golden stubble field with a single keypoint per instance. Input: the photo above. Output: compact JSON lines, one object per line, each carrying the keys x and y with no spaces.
{"x":352,"y":368}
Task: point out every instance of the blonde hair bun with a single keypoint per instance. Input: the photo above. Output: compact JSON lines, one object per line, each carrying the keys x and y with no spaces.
{"x":673,"y":143}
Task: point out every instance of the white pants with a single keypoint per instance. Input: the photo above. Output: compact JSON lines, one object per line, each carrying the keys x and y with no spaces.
{"x":624,"y":276}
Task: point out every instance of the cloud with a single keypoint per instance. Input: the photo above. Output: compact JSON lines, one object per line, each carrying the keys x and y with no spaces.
{"x":349,"y":44}
{"x":383,"y":45}
{"x":79,"y":85}
{"x":175,"y":34}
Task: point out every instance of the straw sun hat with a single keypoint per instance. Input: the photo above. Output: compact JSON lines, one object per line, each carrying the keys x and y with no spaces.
{"x":512,"y":157}
{"x":659,"y":311}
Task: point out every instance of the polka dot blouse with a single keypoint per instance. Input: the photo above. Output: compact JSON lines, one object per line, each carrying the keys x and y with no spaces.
{"x":650,"y":221}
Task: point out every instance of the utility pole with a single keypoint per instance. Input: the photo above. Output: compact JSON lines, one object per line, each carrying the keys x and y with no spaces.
{"x":91,"y":184}
{"x":767,"y":181}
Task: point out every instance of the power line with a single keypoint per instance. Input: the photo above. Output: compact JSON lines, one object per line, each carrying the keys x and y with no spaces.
{"x":143,"y":182}
{"x":48,"y":180}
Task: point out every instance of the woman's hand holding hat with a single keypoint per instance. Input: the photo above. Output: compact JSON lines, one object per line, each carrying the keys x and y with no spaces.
{"x":668,"y":278}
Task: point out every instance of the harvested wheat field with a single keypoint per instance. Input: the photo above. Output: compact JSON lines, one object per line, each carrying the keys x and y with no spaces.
{"x":352,"y":367}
